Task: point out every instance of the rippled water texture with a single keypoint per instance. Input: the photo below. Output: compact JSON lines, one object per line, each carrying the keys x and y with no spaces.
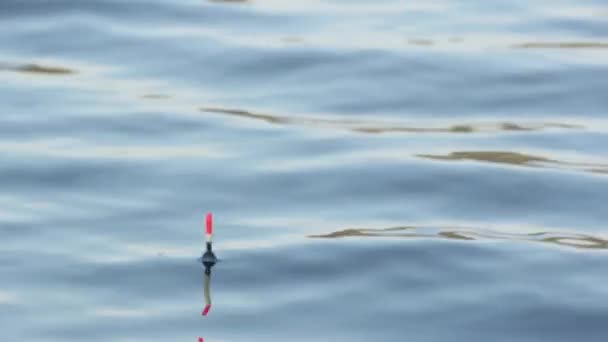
{"x":378,"y":170}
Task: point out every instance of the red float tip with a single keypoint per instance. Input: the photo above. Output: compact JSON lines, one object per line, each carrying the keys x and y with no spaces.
{"x":206,"y":311}
{"x":200,"y":339}
{"x":209,"y":224}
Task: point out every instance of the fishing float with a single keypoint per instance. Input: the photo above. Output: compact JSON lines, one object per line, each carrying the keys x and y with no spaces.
{"x":208,"y":259}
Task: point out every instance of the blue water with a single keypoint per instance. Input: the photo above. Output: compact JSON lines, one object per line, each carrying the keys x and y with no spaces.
{"x":378,"y":170}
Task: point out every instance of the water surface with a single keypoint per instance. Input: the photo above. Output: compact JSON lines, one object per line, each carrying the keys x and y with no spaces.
{"x":378,"y":170}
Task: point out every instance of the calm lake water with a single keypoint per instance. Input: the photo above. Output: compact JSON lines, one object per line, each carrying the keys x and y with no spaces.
{"x":378,"y":170}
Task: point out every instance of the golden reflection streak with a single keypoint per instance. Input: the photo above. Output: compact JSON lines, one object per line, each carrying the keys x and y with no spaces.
{"x":501,"y":157}
{"x":230,"y":1}
{"x":376,"y":128}
{"x":520,"y":159}
{"x":37,"y":69}
{"x":155,"y":96}
{"x":421,"y":42}
{"x":562,"y":45}
{"x":580,"y":241}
